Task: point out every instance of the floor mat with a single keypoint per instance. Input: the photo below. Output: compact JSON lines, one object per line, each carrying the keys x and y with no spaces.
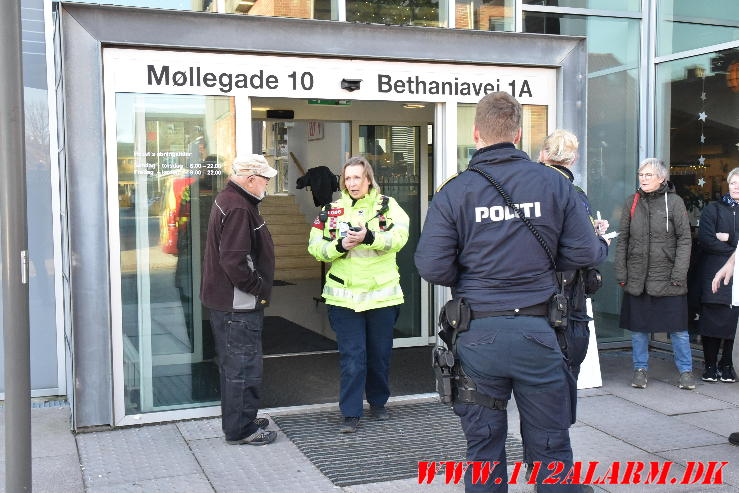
{"x":281,"y":336}
{"x":381,"y":450}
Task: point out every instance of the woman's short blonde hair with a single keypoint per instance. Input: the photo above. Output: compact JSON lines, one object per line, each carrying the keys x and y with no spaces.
{"x":368,"y":172}
{"x":560,"y":147}
{"x":658,"y":166}
{"x":731,"y":174}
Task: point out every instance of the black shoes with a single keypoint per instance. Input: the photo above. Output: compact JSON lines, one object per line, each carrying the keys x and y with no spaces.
{"x":380,"y":413}
{"x":349,"y":425}
{"x":728,"y":374}
{"x":711,"y":374}
{"x":259,"y":437}
{"x":734,"y":438}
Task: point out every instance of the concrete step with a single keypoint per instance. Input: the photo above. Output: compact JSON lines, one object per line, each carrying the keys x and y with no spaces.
{"x":302,"y":262}
{"x":304,"y":273}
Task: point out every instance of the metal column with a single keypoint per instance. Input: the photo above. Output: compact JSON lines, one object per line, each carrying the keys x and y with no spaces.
{"x":14,"y":256}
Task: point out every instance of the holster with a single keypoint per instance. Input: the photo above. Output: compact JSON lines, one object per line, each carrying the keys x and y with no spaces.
{"x":453,"y":385}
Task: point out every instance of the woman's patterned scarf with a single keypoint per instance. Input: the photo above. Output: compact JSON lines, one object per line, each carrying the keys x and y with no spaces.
{"x":728,"y":200}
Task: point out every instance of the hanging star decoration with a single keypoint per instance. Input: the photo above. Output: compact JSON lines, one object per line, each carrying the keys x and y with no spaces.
{"x":702,"y":120}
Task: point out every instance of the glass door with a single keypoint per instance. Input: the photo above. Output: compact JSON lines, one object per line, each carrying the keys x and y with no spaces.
{"x":399,"y":157}
{"x":170,"y":155}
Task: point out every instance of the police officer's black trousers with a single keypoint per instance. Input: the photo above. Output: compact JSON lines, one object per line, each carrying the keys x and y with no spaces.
{"x":238,"y":344}
{"x":518,"y":354}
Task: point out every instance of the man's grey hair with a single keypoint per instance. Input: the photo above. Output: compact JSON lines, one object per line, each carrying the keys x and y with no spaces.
{"x":658,"y":166}
{"x":732,"y":173}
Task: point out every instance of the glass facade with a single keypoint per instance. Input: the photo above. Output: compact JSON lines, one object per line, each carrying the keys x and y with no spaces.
{"x":698,"y":125}
{"x":171,"y":155}
{"x":395,"y":155}
{"x":405,"y":13}
{"x":627,"y":5}
{"x":42,"y":297}
{"x":160,"y":286}
{"x":485,"y":15}
{"x":686,"y":24}
{"x":534,"y":125}
{"x":613,"y":130}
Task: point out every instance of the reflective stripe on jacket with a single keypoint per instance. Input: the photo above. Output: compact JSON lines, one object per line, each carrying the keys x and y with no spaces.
{"x":365,"y":277}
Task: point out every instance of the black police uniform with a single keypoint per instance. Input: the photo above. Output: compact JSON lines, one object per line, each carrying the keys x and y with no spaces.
{"x":473,"y":243}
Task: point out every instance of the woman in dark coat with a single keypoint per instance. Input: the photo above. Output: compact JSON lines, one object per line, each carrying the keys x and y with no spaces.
{"x":652,"y":258}
{"x":718,"y":235}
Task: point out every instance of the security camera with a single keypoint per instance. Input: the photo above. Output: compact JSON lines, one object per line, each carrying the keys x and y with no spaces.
{"x":351,"y":85}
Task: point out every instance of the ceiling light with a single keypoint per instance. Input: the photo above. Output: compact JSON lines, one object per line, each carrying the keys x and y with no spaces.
{"x":413,"y":106}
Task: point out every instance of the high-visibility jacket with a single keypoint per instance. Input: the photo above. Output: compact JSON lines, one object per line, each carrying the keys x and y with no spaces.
{"x":365,"y":277}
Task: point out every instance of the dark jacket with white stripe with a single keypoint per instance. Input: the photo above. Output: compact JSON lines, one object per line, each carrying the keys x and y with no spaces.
{"x":239,"y":259}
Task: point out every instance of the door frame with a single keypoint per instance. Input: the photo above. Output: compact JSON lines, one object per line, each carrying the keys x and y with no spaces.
{"x":421,"y":339}
{"x":89,"y":29}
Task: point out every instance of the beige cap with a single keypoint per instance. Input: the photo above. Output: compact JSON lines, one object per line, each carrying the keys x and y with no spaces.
{"x":253,"y":164}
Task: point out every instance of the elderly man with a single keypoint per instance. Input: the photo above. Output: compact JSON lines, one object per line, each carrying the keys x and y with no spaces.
{"x":238,"y":270}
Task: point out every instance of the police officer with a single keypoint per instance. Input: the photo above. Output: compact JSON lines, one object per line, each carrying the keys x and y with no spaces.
{"x":479,"y":247}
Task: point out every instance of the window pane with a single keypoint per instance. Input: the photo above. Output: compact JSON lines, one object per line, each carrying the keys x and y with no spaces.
{"x":697,"y":105}
{"x":687,"y":24}
{"x":485,"y":15}
{"x":534,"y":126}
{"x":396,"y":12}
{"x":613,"y":131}
{"x":628,"y":5}
{"x":303,"y":9}
{"x":171,"y":154}
{"x":395,"y":155}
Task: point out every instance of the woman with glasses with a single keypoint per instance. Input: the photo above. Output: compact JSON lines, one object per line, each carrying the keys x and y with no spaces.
{"x":360,"y":234}
{"x":718,"y":234}
{"x":652,"y":258}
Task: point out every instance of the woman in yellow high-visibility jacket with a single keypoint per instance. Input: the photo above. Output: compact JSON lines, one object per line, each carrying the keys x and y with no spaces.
{"x":360,"y":234}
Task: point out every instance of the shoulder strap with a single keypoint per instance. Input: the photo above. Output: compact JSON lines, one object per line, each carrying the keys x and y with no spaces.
{"x":633,"y":204}
{"x":520,"y":213}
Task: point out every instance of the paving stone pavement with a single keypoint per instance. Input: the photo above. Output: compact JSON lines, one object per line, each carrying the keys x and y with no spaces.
{"x":615,"y":424}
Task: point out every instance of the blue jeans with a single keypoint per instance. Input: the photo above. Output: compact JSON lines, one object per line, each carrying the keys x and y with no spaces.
{"x":365,"y":342}
{"x":680,"y":349}
{"x":520,"y":355}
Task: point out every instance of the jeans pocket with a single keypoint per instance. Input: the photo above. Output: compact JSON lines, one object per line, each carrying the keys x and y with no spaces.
{"x":546,"y":340}
{"x":243,"y":337}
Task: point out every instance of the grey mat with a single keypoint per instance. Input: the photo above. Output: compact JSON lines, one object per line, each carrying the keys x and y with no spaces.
{"x":381,"y":450}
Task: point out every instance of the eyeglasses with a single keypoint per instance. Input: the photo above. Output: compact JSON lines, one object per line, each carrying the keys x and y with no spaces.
{"x":648,"y":176}
{"x":265,"y":178}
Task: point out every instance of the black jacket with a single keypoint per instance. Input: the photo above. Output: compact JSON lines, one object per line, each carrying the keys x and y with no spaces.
{"x":472,"y":242}
{"x":322,"y":182}
{"x":717,"y":217}
{"x":239,"y":259}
